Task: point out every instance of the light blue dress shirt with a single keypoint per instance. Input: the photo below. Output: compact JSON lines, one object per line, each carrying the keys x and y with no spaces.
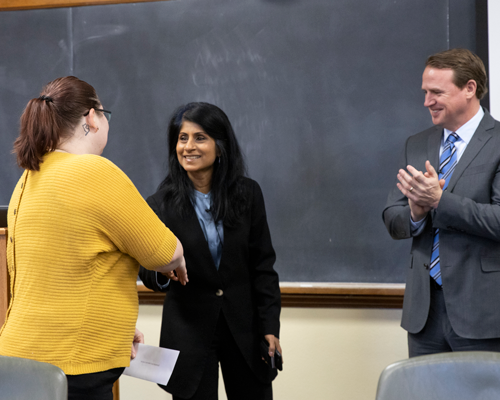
{"x":465,"y":133}
{"x":214,"y":232}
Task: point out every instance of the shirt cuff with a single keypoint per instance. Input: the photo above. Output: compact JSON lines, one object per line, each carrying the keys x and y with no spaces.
{"x":416,"y":228}
{"x":161,"y":280}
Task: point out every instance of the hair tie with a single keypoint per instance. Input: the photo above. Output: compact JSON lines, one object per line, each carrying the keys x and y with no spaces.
{"x":46,"y":98}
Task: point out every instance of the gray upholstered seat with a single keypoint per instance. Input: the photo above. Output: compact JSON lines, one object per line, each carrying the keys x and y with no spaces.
{"x":22,"y":379}
{"x":446,"y":376}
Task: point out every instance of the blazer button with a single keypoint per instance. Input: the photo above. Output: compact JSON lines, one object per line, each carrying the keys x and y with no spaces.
{"x":219,"y":292}
{"x":426,"y":266}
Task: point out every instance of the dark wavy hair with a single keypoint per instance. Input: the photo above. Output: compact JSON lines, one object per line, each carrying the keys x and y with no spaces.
{"x":229,"y":198}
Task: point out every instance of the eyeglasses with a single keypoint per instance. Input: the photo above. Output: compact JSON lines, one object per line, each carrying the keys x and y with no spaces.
{"x":107,"y":113}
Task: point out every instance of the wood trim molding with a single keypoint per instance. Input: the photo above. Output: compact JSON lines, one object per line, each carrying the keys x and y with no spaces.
{"x":320,"y":295}
{"x":11,"y":5}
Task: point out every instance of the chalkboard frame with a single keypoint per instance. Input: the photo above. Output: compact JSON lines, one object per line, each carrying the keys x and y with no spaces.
{"x":13,"y":5}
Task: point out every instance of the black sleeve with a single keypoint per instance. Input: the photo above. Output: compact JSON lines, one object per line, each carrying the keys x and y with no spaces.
{"x":262,"y":258}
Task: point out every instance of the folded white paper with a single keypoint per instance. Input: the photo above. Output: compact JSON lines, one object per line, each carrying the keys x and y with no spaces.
{"x":152,"y":363}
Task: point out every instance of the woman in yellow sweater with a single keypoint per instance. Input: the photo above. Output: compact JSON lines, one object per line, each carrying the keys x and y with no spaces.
{"x":78,"y":229}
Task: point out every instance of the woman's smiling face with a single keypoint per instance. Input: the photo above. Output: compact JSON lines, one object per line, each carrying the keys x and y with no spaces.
{"x":196,"y":150}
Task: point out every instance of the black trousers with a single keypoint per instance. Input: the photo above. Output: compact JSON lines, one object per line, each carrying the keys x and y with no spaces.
{"x":96,"y":386}
{"x":239,"y":380}
{"x":438,"y":335}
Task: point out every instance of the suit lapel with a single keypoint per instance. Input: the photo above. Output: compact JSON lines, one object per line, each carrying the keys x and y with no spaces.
{"x":479,"y":139}
{"x":226,"y":244}
{"x":433,"y":145}
{"x":191,"y":226}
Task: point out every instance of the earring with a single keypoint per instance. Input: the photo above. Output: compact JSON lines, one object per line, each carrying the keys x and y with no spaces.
{"x":219,"y":160}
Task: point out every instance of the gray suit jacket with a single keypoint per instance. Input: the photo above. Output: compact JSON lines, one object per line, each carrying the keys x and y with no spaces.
{"x":468,"y":217}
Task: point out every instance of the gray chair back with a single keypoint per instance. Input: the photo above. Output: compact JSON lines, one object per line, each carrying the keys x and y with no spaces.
{"x":23,"y":379}
{"x":473,"y":375}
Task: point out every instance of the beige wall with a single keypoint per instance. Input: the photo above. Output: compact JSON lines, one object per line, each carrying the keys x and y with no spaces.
{"x":328,"y":353}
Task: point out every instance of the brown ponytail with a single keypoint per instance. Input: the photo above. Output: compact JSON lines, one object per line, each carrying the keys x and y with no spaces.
{"x":51,"y":118}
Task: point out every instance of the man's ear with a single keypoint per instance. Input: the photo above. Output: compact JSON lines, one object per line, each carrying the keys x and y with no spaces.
{"x":471,"y":88}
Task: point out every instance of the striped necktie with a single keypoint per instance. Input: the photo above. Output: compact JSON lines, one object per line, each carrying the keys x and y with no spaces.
{"x":447,"y":164}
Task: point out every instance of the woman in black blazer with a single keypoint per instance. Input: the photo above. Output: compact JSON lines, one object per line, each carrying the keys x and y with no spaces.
{"x":232,"y":301}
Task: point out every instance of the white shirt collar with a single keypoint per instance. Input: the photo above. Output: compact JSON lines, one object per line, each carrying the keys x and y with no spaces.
{"x":466,"y":131}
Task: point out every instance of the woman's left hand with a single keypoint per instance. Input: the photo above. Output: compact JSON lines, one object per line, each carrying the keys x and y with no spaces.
{"x":274,"y":344}
{"x":138,"y":338}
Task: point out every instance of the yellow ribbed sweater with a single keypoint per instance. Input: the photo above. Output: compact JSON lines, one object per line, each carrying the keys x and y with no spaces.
{"x":78,"y":229}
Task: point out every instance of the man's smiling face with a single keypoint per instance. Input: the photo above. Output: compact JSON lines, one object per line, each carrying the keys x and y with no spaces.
{"x":447,"y":103}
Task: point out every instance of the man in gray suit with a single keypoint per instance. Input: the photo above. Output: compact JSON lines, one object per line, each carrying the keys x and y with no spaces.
{"x":447,"y":200}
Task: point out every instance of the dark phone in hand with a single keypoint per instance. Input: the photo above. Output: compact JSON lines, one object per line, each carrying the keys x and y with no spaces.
{"x":274,"y":362}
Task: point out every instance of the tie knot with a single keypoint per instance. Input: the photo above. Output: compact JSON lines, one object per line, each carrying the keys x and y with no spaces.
{"x":452,"y":138}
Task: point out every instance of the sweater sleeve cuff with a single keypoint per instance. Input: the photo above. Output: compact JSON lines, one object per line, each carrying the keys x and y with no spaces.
{"x":164,"y":252}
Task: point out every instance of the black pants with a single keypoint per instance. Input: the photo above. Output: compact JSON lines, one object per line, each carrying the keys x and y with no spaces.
{"x":438,"y":335}
{"x":96,"y":386}
{"x":239,"y":380}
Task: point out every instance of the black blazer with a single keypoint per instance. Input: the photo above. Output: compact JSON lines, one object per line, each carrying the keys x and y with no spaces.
{"x":468,"y":218}
{"x":249,"y":285}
